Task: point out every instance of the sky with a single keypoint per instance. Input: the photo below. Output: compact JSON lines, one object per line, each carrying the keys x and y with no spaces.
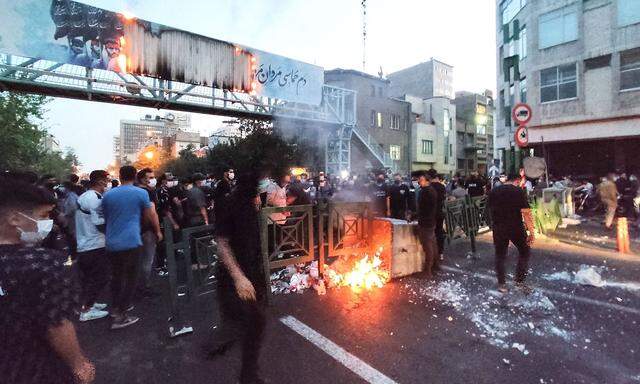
{"x":328,"y":33}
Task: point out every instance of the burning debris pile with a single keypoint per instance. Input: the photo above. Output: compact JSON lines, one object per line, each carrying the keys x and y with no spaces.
{"x":356,"y":272}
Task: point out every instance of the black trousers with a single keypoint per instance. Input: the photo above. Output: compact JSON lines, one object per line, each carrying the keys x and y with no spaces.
{"x":94,"y":274}
{"x":243,"y":322}
{"x":124,"y":273}
{"x":399,"y":214}
{"x":440,"y":236}
{"x":501,"y":239}
{"x":427,"y":238}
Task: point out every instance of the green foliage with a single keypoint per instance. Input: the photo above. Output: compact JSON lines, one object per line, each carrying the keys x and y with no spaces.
{"x":22,"y":134}
{"x":547,"y":216}
{"x":261,"y":151}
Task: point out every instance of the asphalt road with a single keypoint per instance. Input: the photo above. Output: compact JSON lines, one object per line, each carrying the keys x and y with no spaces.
{"x":453,"y":329}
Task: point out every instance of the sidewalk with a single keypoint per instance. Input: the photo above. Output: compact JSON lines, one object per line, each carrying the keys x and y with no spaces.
{"x":592,"y":234}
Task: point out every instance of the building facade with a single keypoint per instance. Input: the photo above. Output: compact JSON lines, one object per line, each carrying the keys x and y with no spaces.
{"x":432,"y":78}
{"x":383,"y":117}
{"x":432,"y":134}
{"x":577,"y":64}
{"x":428,"y":87}
{"x":149,"y":130}
{"x":474,"y":132}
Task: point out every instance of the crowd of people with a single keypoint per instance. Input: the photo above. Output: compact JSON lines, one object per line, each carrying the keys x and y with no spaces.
{"x":109,"y":230}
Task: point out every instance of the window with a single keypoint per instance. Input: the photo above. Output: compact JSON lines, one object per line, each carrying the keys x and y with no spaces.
{"x":630,"y":69}
{"x":373,"y":90}
{"x":380,"y":91}
{"x":373,"y":118}
{"x":379,"y":119}
{"x":450,"y":150}
{"x":558,"y":27}
{"x":523,"y":90}
{"x":394,"y":152}
{"x":597,"y":62}
{"x":510,"y":8}
{"x":395,"y":122}
{"x":523,"y":43}
{"x":628,"y":12}
{"x":512,"y":95}
{"x":481,"y":109}
{"x":427,"y":147}
{"x":558,"y":83}
{"x":446,"y":120}
{"x":502,"y":100}
{"x":481,"y":129}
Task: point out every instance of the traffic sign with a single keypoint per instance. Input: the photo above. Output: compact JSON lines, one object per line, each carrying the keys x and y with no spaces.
{"x":521,"y":113}
{"x":522,"y":136}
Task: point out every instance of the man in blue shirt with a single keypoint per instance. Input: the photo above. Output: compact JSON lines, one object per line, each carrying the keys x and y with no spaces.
{"x":124,"y":209}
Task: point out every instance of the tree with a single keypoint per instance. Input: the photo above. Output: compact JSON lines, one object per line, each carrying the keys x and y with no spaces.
{"x":20,"y":132}
{"x":22,"y":135}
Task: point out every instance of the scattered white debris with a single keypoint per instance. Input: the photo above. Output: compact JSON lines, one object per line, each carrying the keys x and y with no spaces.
{"x":498,"y":317}
{"x":570,"y":221}
{"x":592,"y":276}
{"x":506,"y":361}
{"x":519,"y":347}
{"x":564,"y":275}
{"x":589,"y":275}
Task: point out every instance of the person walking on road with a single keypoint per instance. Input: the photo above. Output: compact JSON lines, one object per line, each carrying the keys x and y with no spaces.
{"x":92,"y":257}
{"x":37,"y":296}
{"x":427,"y":206}
{"x":124,"y":209}
{"x":510,"y":214}
{"x":241,"y":284}
{"x":609,"y":196}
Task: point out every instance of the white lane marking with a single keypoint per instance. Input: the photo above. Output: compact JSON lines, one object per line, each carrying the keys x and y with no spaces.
{"x":552,"y":292}
{"x":357,"y":366}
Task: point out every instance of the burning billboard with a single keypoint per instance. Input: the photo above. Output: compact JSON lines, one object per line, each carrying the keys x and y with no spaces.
{"x":71,"y":32}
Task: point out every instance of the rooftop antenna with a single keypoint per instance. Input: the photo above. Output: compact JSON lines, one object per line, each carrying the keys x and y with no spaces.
{"x":364,"y":35}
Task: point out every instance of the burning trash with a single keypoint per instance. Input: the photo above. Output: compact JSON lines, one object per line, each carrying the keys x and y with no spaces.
{"x":356,"y":272}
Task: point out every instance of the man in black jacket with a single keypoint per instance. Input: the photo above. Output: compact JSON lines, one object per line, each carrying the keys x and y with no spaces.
{"x":242,"y":286}
{"x":427,"y":206}
{"x":509,"y":208}
{"x":436,"y":183}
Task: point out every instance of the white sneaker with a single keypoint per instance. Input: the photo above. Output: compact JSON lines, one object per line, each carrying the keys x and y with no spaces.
{"x":99,"y":306}
{"x":93,"y":314}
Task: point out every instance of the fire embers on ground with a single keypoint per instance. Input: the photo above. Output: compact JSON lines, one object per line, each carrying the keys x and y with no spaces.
{"x":358,"y":272}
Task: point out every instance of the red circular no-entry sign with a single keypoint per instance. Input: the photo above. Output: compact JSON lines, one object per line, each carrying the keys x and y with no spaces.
{"x":521,"y":113}
{"x":522,"y":136}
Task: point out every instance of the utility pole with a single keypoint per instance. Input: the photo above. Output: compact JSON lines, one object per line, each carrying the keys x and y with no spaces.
{"x":364,"y":35}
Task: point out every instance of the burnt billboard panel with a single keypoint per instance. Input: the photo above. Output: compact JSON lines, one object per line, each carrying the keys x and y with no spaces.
{"x":71,"y":32}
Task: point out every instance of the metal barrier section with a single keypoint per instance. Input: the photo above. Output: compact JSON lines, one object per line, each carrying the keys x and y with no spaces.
{"x":482,"y":211}
{"x":192,"y":264}
{"x":347,"y":230}
{"x":469,"y":215}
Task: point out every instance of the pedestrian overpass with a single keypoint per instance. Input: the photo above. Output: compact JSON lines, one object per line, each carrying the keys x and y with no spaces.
{"x":144,"y":85}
